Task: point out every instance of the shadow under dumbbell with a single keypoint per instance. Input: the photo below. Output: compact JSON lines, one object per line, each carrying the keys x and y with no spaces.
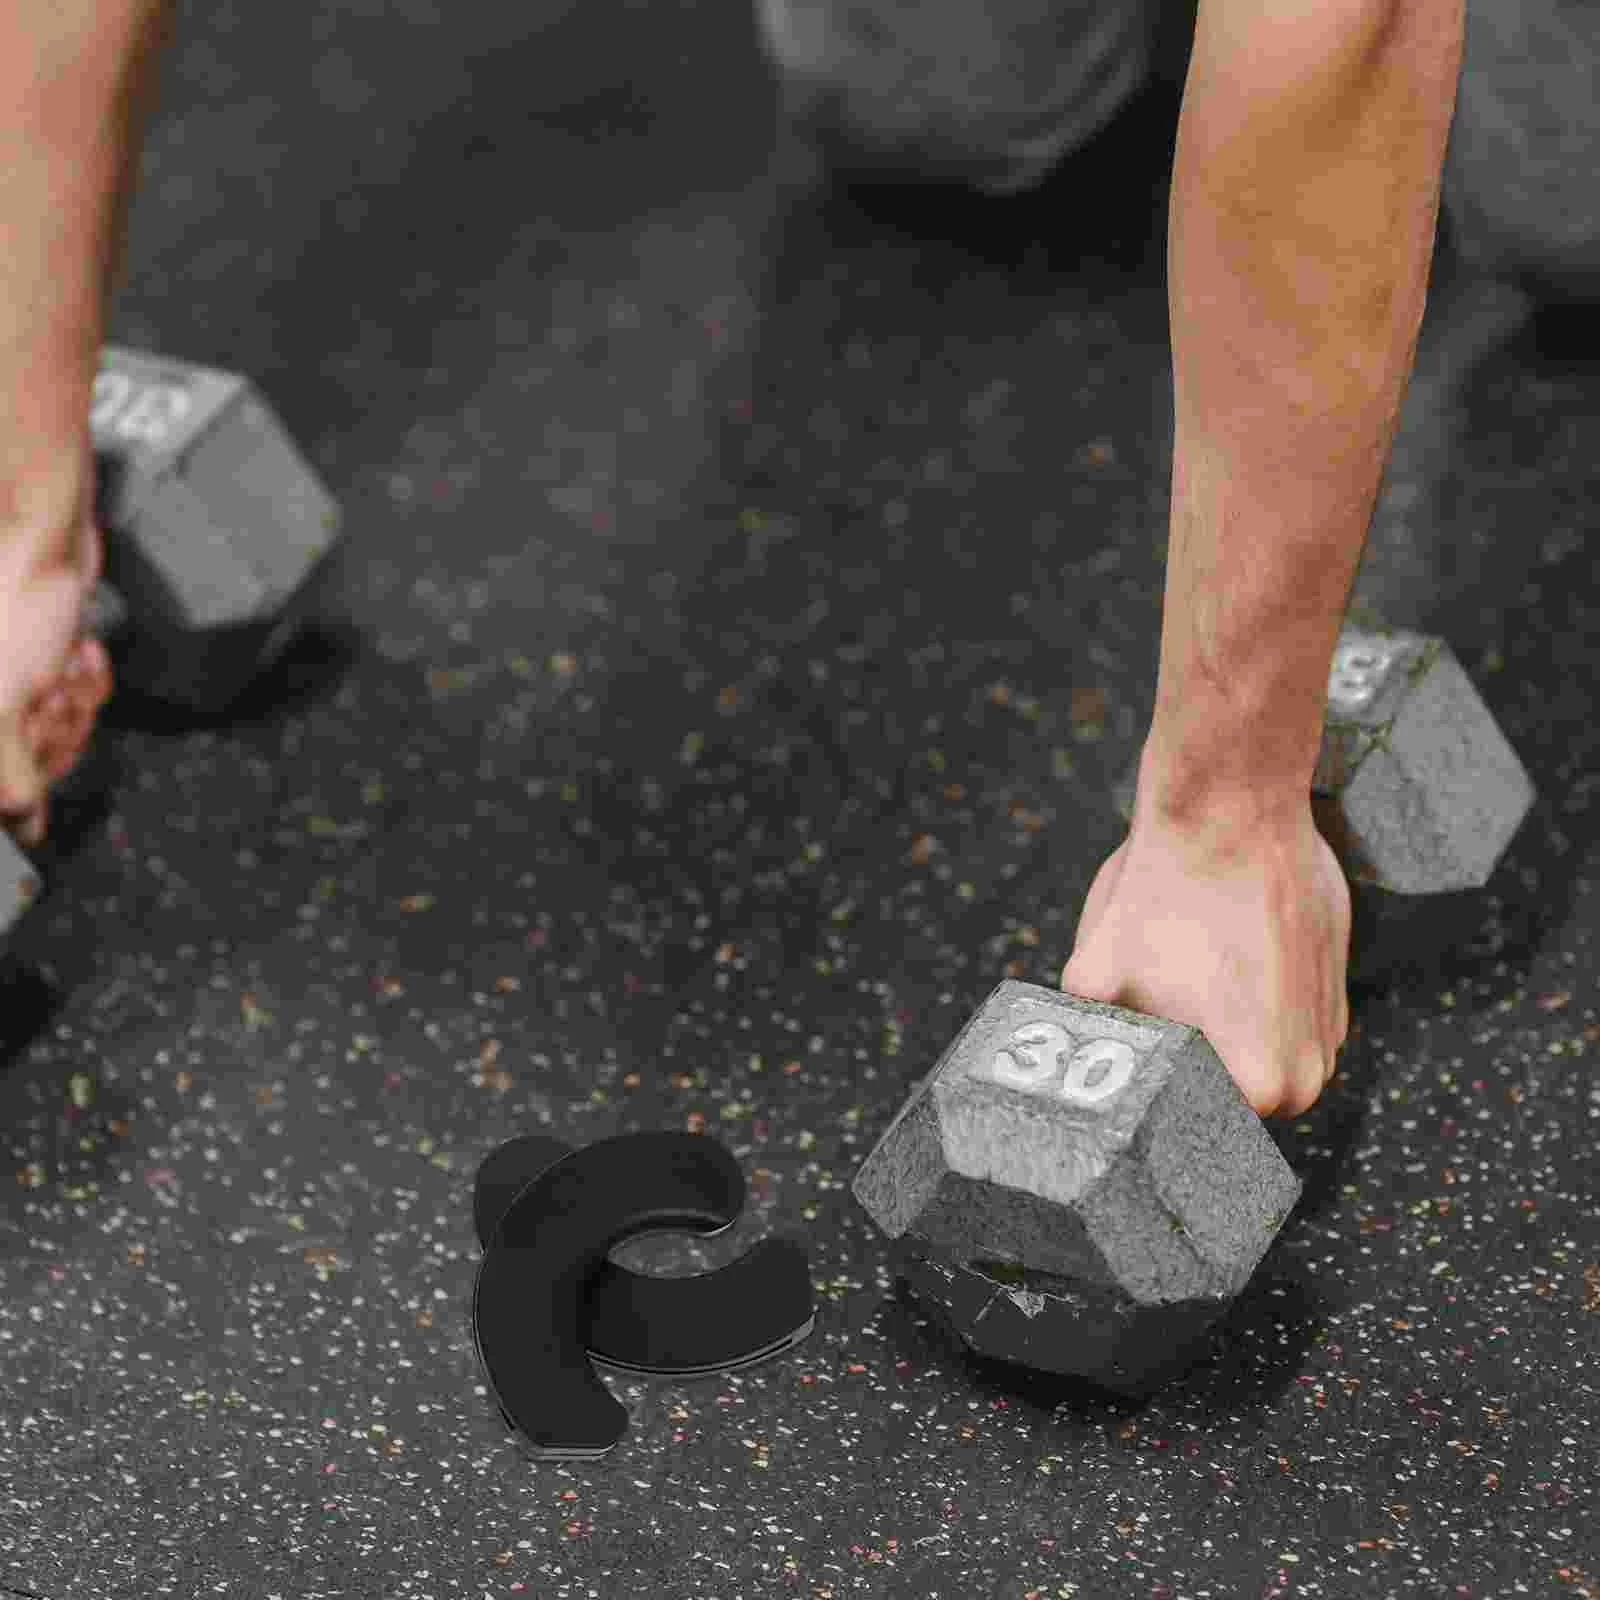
{"x":1565,"y":334}
{"x":1408,"y":946}
{"x":1321,"y":1144}
{"x":80,"y":805}
{"x":32,"y":1003}
{"x":915,"y":1332}
{"x":1260,"y":1346}
{"x":307,"y":673}
{"x":1249,"y":1355}
{"x":1406,"y":941}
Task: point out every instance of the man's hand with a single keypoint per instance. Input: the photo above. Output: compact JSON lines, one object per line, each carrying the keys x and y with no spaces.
{"x":52,"y":682}
{"x":1242,"y":932}
{"x":76,"y":78}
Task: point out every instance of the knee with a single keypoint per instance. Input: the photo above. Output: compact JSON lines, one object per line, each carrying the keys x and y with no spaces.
{"x":1519,"y":186}
{"x":991,"y":93}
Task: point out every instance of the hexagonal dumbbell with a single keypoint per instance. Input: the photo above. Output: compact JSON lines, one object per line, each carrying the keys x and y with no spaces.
{"x":1415,"y":787}
{"x":1078,"y":1188}
{"x":216,"y":528}
{"x":19,"y":886}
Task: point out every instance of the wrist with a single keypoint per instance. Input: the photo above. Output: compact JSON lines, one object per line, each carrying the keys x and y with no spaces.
{"x":46,"y":454}
{"x":46,"y":505}
{"x":1207,"y":770}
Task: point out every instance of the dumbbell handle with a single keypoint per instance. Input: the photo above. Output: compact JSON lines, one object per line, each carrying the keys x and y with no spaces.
{"x":105,"y":612}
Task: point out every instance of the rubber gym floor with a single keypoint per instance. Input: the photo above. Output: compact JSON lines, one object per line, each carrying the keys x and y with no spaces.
{"x":752,"y":593}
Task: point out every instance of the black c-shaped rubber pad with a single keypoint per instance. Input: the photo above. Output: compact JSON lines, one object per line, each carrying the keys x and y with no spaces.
{"x":511,"y":1166}
{"x":535,"y":1302}
{"x":744,"y":1313}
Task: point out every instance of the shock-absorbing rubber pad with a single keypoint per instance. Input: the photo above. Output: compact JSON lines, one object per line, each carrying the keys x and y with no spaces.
{"x":547,"y":1217}
{"x":745,"y":1313}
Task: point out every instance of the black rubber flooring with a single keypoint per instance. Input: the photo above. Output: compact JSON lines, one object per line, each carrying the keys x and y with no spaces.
{"x":753,"y":591}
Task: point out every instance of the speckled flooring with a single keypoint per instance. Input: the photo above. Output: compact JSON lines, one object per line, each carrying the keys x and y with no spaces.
{"x":752,"y":596}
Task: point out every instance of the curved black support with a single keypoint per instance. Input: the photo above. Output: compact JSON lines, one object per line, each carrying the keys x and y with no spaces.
{"x":528,"y":1304}
{"x":511,"y":1166}
{"x":738,"y":1316}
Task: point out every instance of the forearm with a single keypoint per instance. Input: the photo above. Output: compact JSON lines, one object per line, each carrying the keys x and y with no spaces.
{"x":1304,"y":202}
{"x":74,"y":77}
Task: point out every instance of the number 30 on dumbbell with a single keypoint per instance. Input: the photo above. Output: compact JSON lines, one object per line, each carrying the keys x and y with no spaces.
{"x":216,"y":527}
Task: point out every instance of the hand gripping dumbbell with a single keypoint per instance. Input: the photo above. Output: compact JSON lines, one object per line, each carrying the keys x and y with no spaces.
{"x":1082,"y":1189}
{"x":1077,"y":1188}
{"x":216,"y":532}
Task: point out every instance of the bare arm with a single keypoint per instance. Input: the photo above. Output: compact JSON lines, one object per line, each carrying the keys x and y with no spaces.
{"x":1304,"y":199}
{"x":74,"y":76}
{"x":1305,"y":196}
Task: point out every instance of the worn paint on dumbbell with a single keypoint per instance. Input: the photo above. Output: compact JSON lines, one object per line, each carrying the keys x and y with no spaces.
{"x":1036,"y":1058}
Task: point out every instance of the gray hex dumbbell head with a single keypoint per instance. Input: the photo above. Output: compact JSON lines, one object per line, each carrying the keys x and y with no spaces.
{"x":217,"y":524}
{"x":1033,"y":1319}
{"x":1100,"y":1165}
{"x":1421,"y":792}
{"x":19,"y":886}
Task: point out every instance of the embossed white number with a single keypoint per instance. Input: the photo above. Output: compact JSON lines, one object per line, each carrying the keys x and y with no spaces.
{"x":1357,"y":671}
{"x":1098,"y":1071}
{"x":111,"y":391}
{"x":143,"y":414}
{"x":1030,"y":1056}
